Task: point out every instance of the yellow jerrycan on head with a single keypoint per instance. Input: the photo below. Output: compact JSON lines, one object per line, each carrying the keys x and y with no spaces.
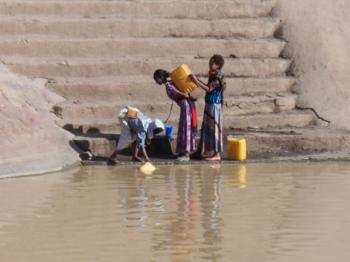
{"x":236,"y":148}
{"x":181,"y":77}
{"x":132,"y":112}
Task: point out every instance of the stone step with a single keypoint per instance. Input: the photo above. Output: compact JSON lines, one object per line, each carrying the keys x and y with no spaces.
{"x":150,"y":8}
{"x":252,"y":28}
{"x":239,"y":105}
{"x":129,"y":66}
{"x":293,"y":118}
{"x":128,"y":87}
{"x":260,"y":145}
{"x":296,"y":141}
{"x":43,"y":46}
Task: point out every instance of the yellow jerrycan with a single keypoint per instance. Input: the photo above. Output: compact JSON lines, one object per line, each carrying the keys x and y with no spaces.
{"x":236,"y":148}
{"x":181,"y":77}
{"x":133,"y":112}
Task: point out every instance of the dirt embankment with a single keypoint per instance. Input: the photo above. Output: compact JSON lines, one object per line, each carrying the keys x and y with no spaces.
{"x":318,"y":35}
{"x":30,"y":140}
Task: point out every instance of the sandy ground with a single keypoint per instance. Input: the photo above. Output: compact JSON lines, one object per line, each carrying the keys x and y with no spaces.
{"x":318,"y":35}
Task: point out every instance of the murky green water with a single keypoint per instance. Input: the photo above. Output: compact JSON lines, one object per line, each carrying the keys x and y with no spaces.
{"x":259,"y":212}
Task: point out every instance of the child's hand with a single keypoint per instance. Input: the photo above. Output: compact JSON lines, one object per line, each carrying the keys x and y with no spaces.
{"x":184,"y":94}
{"x":193,"y":99}
{"x":199,"y":83}
{"x":194,"y":78}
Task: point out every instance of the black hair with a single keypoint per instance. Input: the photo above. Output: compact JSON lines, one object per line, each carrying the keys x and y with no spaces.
{"x":161,"y":74}
{"x":218,"y":60}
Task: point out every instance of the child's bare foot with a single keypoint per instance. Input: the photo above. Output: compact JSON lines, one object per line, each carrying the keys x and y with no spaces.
{"x":112,"y":161}
{"x":213,"y":158}
{"x":183,"y":159}
{"x":137,"y":159}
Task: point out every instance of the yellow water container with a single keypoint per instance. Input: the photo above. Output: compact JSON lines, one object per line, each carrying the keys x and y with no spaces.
{"x":182,"y":79}
{"x":132,"y":112}
{"x":148,"y":168}
{"x":236,"y":148}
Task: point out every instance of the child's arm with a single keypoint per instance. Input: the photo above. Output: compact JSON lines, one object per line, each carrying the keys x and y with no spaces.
{"x":181,"y":93}
{"x":200,"y":84}
{"x":178,"y":93}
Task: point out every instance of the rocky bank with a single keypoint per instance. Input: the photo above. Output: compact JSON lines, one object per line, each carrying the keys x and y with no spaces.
{"x":31,"y":142}
{"x":318,"y":36}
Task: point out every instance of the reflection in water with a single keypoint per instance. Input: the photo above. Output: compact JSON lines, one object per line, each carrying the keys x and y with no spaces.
{"x":210,"y":196}
{"x":239,"y":175}
{"x":182,"y":226}
{"x":287,"y":212}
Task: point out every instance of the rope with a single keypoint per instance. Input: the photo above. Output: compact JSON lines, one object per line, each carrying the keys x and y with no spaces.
{"x":170,"y":112}
{"x":314,"y":111}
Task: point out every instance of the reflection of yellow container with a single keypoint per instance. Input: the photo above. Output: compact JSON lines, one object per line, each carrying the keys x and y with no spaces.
{"x":242,"y":176}
{"x":239,"y":173}
{"x":182,"y":79}
{"x":236,"y":148}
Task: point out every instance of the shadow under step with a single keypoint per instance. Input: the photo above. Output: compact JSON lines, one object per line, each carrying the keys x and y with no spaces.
{"x":261,"y":144}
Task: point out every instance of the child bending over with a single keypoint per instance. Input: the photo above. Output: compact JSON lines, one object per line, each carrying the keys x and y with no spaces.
{"x":187,"y":127}
{"x":137,"y":129}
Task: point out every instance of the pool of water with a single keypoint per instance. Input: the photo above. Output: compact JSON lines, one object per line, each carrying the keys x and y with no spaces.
{"x":246,"y":213}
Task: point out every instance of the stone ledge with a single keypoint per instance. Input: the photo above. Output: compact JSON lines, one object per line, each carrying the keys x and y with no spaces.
{"x":332,"y":157}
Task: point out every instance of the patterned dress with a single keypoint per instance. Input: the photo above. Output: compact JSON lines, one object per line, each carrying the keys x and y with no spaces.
{"x":137,"y":129}
{"x":211,"y":133}
{"x":186,"y":135}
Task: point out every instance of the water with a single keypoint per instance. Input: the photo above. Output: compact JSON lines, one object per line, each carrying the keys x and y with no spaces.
{"x":258,"y":212}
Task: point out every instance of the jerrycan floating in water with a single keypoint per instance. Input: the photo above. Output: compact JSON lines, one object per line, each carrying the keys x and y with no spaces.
{"x":236,"y":148}
{"x":148,"y":168}
{"x":182,"y":79}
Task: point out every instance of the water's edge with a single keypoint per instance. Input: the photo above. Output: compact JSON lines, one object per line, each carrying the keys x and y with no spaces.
{"x":42,"y":171}
{"x":325,"y":157}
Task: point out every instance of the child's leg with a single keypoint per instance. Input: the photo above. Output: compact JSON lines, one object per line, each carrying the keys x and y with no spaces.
{"x":184,"y":158}
{"x":112,"y":160}
{"x":215,"y":157}
{"x":135,"y":150}
{"x":144,"y":152}
{"x":216,"y":133}
{"x":114,"y":155}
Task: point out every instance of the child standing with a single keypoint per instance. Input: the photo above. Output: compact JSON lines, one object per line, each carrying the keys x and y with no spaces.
{"x":211,"y":141}
{"x":186,"y":136}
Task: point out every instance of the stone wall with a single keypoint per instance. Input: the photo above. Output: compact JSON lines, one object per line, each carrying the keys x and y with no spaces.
{"x":31,"y":142}
{"x":318,"y":35}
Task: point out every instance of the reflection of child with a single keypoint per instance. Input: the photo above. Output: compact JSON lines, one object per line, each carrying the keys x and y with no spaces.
{"x":186,"y":135}
{"x":136,"y":130}
{"x":211,"y":134}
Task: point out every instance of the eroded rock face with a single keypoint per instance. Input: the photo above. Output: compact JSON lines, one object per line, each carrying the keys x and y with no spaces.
{"x":318,"y":35}
{"x":29,"y":137}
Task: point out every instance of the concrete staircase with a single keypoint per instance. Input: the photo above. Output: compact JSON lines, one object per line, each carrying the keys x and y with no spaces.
{"x":100,"y":55}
